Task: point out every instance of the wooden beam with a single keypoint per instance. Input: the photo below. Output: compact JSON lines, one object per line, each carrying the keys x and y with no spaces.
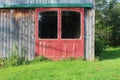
{"x":90,"y":33}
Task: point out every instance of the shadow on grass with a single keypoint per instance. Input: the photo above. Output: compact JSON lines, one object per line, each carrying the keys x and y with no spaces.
{"x":112,"y":53}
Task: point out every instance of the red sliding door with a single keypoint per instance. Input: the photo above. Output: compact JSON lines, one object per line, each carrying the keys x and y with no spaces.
{"x":59,"y":32}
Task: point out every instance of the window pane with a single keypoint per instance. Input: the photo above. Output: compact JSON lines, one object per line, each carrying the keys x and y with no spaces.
{"x":70,"y":25}
{"x":48,"y":25}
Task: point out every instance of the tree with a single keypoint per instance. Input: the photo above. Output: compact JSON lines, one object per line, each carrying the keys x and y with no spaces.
{"x":103,"y":30}
{"x":115,"y":20}
{"x":107,"y":28}
{"x":107,"y":21}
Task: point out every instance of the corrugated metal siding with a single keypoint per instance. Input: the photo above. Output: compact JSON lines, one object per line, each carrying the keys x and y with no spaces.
{"x":15,"y":2}
{"x":17,"y":27}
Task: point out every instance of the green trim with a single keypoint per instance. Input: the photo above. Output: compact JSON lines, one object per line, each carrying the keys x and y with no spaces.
{"x":85,"y":5}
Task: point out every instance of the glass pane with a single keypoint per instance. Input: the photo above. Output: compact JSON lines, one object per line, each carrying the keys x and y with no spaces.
{"x":70,"y":25}
{"x":48,"y":25}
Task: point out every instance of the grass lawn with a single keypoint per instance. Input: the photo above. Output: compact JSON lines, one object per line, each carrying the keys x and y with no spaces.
{"x":108,"y":68}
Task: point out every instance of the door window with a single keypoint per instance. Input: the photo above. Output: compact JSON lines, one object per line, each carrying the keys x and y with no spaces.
{"x":47,"y":25}
{"x":70,"y":25}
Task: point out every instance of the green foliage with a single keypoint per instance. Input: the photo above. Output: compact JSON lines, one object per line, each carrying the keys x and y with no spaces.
{"x":41,"y":58}
{"x":115,"y":20}
{"x":1,"y":62}
{"x":23,"y":59}
{"x":4,"y":62}
{"x":71,"y":59}
{"x":15,"y":57}
{"x":103,"y":33}
{"x":107,"y":29}
{"x":99,"y":47}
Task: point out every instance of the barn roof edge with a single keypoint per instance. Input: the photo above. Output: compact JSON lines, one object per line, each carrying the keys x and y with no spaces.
{"x":84,"y":5}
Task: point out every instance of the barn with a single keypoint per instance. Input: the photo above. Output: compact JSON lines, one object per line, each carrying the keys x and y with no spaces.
{"x":56,"y":29}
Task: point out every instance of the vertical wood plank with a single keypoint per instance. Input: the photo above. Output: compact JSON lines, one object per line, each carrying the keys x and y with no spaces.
{"x":4,"y":33}
{"x":11,"y":29}
{"x":2,"y":29}
{"x":7,"y":32}
{"x":0,"y":35}
{"x":33,"y":33}
{"x":28,"y":33}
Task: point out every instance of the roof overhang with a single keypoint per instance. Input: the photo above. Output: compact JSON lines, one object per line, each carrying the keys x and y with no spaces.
{"x":83,"y":5}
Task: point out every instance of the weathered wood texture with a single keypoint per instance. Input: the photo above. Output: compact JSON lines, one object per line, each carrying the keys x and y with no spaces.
{"x":90,"y":33}
{"x":17,"y":27}
{"x":15,"y":2}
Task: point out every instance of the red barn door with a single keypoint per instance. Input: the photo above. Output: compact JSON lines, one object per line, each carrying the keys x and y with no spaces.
{"x":60,"y":32}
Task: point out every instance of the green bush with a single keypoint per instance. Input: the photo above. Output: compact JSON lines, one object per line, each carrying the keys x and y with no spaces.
{"x":99,"y":47}
{"x":15,"y":57}
{"x":1,"y":62}
{"x":4,"y":62}
{"x":23,"y":59}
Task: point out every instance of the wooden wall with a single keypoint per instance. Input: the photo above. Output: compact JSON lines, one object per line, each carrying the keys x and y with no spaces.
{"x":17,"y":27}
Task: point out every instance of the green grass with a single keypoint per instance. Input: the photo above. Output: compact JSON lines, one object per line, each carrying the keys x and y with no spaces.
{"x":108,"y":68}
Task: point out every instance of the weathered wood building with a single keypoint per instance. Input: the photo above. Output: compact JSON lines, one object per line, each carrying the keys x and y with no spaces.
{"x":53,"y":28}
